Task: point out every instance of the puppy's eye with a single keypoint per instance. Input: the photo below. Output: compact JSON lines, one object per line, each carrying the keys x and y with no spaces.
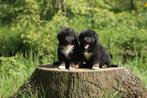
{"x":89,"y":39}
{"x":69,"y":38}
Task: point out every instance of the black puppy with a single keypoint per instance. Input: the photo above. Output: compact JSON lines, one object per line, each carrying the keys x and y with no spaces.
{"x":68,"y":49}
{"x":93,"y":54}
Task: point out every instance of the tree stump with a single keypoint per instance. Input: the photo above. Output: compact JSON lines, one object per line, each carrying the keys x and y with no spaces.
{"x":87,"y":83}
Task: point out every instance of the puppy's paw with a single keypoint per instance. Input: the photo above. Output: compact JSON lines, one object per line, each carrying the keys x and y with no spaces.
{"x":72,"y":67}
{"x":95,"y":67}
{"x":105,"y":66}
{"x":62,"y":66}
{"x":76,"y":66}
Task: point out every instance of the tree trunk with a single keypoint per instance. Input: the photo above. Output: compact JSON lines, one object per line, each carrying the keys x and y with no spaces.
{"x":87,"y":83}
{"x":133,"y":5}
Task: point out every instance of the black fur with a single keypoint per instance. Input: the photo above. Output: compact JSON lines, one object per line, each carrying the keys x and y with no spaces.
{"x":97,"y":53}
{"x":67,"y":37}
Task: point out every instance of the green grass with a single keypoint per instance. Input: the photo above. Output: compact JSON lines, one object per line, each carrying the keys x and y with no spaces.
{"x":14,"y":71}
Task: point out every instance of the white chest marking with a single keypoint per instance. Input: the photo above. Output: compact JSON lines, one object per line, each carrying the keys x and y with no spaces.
{"x":87,"y":55}
{"x":68,"y":49}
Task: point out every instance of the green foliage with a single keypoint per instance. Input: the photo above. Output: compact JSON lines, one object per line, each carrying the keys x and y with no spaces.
{"x":32,"y":26}
{"x":127,"y":5}
{"x":9,"y":41}
{"x":36,"y":26}
{"x":10,"y":9}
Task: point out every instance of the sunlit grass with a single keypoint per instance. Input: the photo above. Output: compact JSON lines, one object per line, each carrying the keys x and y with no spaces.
{"x":14,"y":71}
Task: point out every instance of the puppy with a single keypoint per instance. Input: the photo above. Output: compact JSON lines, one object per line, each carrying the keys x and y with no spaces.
{"x":93,"y":54}
{"x":68,"y":49}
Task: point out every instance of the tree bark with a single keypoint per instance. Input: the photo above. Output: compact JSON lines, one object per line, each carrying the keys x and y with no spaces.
{"x":133,"y":5}
{"x":86,"y":83}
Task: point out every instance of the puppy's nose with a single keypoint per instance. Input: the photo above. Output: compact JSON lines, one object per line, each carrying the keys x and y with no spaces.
{"x":68,"y":44}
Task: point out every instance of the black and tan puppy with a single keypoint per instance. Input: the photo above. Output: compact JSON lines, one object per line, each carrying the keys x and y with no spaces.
{"x":68,"y":49}
{"x":93,"y":54}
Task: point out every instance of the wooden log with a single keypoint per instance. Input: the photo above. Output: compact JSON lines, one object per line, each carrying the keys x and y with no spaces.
{"x":87,"y":83}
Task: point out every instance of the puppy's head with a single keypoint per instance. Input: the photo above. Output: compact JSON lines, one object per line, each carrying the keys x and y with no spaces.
{"x":67,"y":36}
{"x":88,"y":39}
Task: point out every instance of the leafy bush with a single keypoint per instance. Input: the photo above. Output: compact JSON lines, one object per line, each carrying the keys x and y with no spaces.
{"x":36,"y":26}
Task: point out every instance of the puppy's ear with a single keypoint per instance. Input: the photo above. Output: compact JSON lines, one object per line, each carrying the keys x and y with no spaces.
{"x":80,"y":37}
{"x":59,"y":36}
{"x":76,"y":35}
